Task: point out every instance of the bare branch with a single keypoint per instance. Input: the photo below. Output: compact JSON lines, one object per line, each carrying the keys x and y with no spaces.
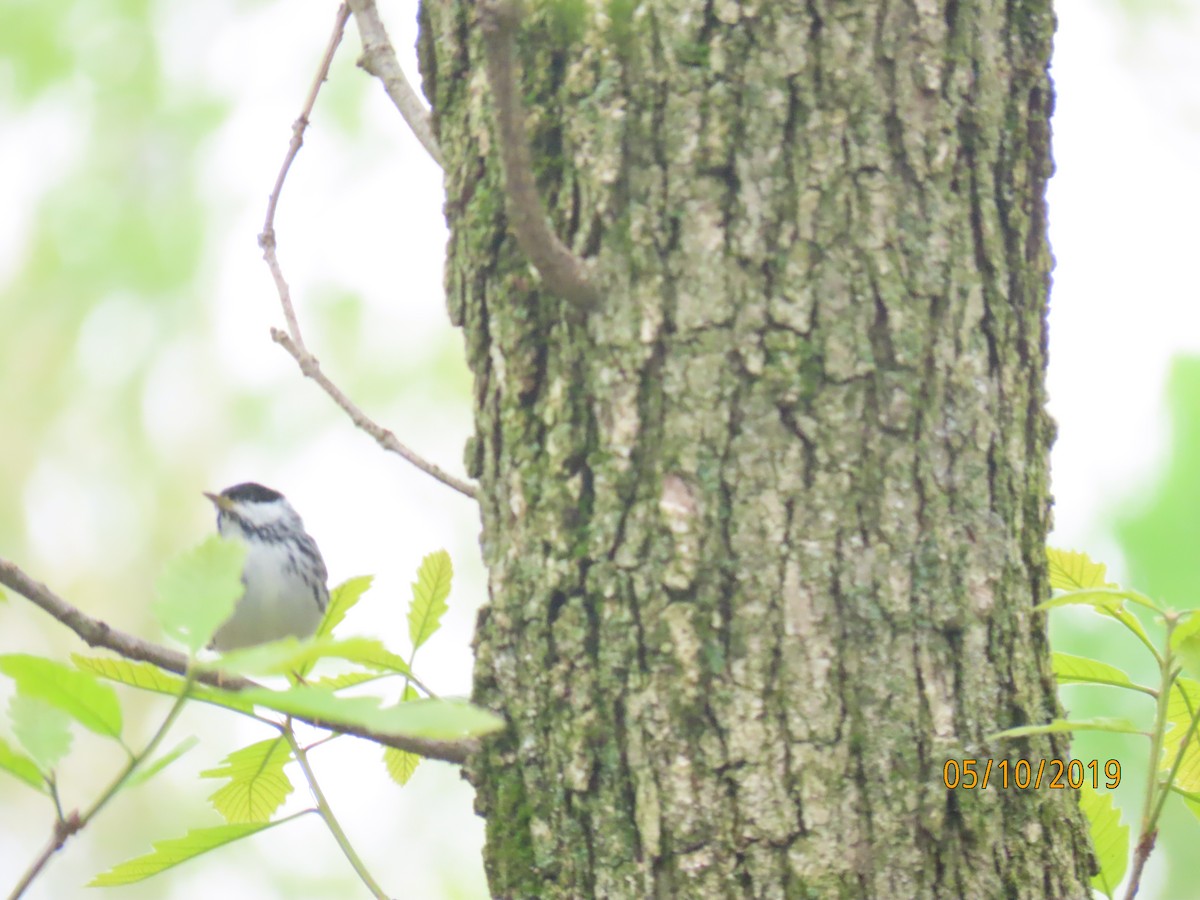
{"x":386,"y":439}
{"x":266,"y":239}
{"x":98,"y":634}
{"x":379,"y":59}
{"x":292,"y":340}
{"x":562,"y":271}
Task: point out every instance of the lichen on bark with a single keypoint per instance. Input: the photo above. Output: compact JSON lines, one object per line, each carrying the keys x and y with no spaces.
{"x":764,"y":532}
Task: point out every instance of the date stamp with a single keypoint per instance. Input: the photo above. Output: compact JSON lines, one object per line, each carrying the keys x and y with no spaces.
{"x":1029,"y":775}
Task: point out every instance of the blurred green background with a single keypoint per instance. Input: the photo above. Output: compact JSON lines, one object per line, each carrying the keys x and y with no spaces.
{"x":138,"y":143}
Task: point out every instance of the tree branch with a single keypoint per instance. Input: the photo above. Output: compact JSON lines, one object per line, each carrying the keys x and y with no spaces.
{"x":379,"y":59}
{"x":98,"y":634}
{"x":65,"y":827}
{"x":293,"y":340}
{"x":384,"y":437}
{"x":562,"y":271}
{"x":266,"y":240}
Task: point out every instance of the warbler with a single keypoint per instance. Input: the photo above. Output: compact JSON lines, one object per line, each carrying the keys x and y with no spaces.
{"x":284,"y":575}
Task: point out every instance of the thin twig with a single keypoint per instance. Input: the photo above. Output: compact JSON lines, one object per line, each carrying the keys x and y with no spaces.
{"x":561,"y":270}
{"x":266,"y":239}
{"x":386,"y":439}
{"x":331,"y":821}
{"x":65,"y":827}
{"x":379,"y":59}
{"x":98,"y":634}
{"x":292,"y":340}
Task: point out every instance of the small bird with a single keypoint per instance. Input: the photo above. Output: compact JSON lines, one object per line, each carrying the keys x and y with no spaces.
{"x":284,"y":574}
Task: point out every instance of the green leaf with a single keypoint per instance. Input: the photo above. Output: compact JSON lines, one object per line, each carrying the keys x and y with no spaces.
{"x":1130,"y":621}
{"x":90,"y":703}
{"x":292,"y":655}
{"x":198,"y":591}
{"x":441,"y":719}
{"x":172,"y":852}
{"x":384,"y":660}
{"x":149,"y":677}
{"x":1190,"y":800}
{"x":1109,"y":838}
{"x":257,"y":786}
{"x":1099,"y":723}
{"x":21,"y":766}
{"x":341,"y":600}
{"x":430,"y":591}
{"x":400,"y":764}
{"x":1182,"y":705}
{"x":1185,"y":641}
{"x":436,"y":719}
{"x":43,"y":730}
{"x":345,"y":680}
{"x":145,"y":773}
{"x":1071,"y":570}
{"x":1070,"y":669}
{"x":1102,"y":599}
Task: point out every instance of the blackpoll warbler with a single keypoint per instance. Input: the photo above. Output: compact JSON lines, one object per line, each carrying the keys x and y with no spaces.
{"x":284,"y":574}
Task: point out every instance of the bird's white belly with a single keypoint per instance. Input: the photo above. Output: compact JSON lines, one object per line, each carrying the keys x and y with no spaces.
{"x":276,"y":603}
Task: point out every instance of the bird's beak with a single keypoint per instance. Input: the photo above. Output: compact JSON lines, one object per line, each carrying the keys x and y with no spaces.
{"x":217,"y":500}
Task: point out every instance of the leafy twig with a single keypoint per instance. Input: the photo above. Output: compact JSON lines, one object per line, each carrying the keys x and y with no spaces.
{"x":98,"y":634}
{"x":66,"y":826}
{"x":331,"y":821}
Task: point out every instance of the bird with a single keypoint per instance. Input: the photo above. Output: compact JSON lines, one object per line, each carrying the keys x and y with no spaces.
{"x":284,"y":574}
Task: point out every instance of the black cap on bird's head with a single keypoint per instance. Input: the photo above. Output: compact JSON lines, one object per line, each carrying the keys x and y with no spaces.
{"x":246,"y":492}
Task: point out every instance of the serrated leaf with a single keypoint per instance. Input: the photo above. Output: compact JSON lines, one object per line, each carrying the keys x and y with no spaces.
{"x":384,"y":660}
{"x":257,"y":785}
{"x":198,"y":590}
{"x":430,"y":591}
{"x":1098,"y":723}
{"x":1185,"y":642}
{"x":1109,"y":838}
{"x":436,"y":719}
{"x":1071,"y":570}
{"x":341,"y":600}
{"x":1071,"y":669}
{"x":292,"y":655}
{"x":90,"y":703}
{"x":43,"y":730}
{"x":145,"y":773}
{"x":1182,"y":705}
{"x":1102,"y":599}
{"x":172,"y":852}
{"x":21,"y":767}
{"x":149,"y":677}
{"x":400,"y":764}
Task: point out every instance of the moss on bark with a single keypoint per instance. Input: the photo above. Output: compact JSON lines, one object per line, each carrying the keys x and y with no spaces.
{"x":765,"y":532}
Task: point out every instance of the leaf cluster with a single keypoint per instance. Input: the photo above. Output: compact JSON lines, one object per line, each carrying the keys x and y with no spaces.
{"x":196,"y":594}
{"x":1174,"y":753}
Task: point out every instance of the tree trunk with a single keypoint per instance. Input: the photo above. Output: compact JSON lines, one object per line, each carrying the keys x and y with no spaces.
{"x":765,"y":530}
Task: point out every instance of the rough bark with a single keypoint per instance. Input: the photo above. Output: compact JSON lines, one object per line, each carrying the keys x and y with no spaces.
{"x":764,"y":532}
